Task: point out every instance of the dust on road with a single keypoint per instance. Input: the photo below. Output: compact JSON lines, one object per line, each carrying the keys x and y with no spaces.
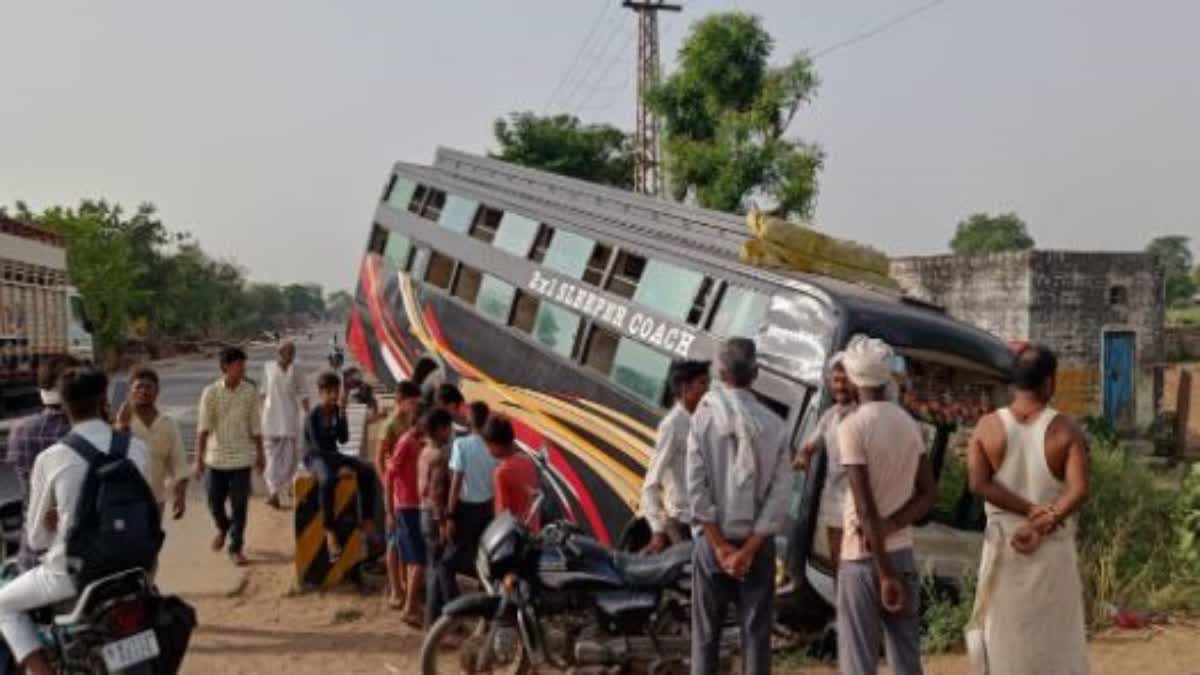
{"x":268,"y":628}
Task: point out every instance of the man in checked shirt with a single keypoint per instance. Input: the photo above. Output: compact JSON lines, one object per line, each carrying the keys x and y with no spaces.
{"x":37,"y":432}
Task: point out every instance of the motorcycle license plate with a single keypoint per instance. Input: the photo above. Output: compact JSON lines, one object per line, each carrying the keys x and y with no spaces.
{"x":130,"y":651}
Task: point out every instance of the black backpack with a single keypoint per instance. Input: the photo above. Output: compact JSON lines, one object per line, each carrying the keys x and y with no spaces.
{"x":116,"y":525}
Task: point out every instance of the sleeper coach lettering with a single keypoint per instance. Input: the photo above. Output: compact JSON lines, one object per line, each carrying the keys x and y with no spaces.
{"x":640,"y":325}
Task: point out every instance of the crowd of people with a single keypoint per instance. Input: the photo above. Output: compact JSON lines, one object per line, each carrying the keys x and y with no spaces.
{"x":721,"y":473}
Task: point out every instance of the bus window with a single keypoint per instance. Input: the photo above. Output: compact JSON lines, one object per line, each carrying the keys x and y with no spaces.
{"x":556,"y":328}
{"x":432,"y":207}
{"x":626,"y":274}
{"x":401,"y":193}
{"x":441,"y":270}
{"x":397,"y":251}
{"x":525,"y":310}
{"x":515,"y":234}
{"x":378,"y":240}
{"x":458,"y":213}
{"x":601,"y":350}
{"x":696,"y":315}
{"x":487,"y":221}
{"x":740,"y":312}
{"x":668,"y":289}
{"x":495,"y":298}
{"x":570,"y":253}
{"x":631,"y":365}
{"x":541,"y":244}
{"x":597,"y":265}
{"x":466,"y":286}
{"x":418,"y":199}
{"x":420,"y":260}
{"x":641,"y":370}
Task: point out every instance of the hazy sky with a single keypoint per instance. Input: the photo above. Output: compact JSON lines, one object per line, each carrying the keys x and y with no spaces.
{"x":267,"y":127}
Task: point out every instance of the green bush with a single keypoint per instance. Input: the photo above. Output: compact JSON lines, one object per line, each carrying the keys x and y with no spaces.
{"x":945,"y":614}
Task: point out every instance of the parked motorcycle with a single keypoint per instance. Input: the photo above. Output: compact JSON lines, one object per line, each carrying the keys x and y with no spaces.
{"x":118,"y":625}
{"x":563,"y":600}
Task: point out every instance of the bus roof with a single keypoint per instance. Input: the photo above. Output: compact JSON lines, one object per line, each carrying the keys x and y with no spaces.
{"x":715,"y":239}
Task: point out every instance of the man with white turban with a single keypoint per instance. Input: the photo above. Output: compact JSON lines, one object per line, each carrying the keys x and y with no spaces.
{"x":891,"y":487}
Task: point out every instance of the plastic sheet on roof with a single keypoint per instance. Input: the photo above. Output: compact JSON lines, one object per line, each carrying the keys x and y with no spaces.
{"x":778,"y":243}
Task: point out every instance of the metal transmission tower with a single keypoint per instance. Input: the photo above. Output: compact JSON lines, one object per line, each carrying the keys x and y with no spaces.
{"x":647,"y":173}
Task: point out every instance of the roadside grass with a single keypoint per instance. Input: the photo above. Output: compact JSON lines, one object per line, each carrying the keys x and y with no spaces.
{"x":1183,"y":316}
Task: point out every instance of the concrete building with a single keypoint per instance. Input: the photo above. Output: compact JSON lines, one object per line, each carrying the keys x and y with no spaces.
{"x":1102,"y":313}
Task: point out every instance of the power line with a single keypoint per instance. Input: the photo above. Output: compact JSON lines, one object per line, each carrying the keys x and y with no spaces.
{"x":598,"y":58}
{"x":881,"y":28}
{"x":604,"y":7}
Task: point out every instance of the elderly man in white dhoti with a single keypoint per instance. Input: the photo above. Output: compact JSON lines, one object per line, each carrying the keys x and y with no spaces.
{"x":1030,"y":465}
{"x":285,"y":399}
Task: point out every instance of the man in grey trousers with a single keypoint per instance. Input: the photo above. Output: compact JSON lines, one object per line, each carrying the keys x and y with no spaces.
{"x":891,"y":487}
{"x":738,"y":479}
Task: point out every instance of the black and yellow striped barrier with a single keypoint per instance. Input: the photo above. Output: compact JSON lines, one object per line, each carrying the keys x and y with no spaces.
{"x":313,"y":568}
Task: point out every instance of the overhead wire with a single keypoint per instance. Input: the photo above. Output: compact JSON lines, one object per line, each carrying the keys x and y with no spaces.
{"x":877,"y":30}
{"x":604,"y":8}
{"x":602,"y":56}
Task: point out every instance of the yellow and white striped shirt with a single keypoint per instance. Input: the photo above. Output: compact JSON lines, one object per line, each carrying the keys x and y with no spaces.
{"x":233,"y":420}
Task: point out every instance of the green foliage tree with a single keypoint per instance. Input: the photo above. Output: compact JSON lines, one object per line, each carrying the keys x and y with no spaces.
{"x":1175,"y":256}
{"x":725,"y":114}
{"x":338,"y":305}
{"x":101,"y":264}
{"x":562,"y":144}
{"x":984,"y":234}
{"x":132,"y":271}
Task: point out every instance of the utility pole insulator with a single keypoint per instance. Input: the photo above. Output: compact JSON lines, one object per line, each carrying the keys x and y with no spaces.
{"x":647,"y":170}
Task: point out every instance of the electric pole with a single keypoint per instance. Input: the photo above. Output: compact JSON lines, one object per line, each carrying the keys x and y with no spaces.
{"x":647,"y":172}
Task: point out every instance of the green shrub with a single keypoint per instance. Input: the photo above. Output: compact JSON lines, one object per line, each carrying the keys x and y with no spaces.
{"x":945,"y":614}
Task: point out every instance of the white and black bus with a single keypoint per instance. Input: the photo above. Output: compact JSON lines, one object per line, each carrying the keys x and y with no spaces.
{"x":563,"y":304}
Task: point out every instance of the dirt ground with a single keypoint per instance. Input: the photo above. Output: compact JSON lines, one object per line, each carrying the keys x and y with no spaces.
{"x":268,"y":628}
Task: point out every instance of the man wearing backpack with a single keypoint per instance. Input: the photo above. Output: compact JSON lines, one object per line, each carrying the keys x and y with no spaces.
{"x":68,"y":523}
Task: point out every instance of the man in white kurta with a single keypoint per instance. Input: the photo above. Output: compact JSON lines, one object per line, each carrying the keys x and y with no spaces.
{"x":285,"y":400}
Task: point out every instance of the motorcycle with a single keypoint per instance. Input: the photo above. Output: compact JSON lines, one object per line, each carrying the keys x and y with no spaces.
{"x":118,"y":625}
{"x":337,"y":358}
{"x":563,"y":600}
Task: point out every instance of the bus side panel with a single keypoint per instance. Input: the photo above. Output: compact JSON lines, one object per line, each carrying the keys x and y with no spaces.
{"x":596,"y":442}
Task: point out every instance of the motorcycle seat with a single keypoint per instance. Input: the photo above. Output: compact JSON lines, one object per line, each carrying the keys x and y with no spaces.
{"x":655,"y":571}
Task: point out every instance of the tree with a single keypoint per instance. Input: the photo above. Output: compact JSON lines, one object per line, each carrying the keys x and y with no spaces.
{"x":100,"y":263}
{"x":338,"y":305}
{"x":1175,"y":256}
{"x":562,"y":144}
{"x":725,"y":113}
{"x":984,"y":234}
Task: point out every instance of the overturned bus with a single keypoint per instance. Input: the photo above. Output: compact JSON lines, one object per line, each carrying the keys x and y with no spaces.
{"x":562,"y":304}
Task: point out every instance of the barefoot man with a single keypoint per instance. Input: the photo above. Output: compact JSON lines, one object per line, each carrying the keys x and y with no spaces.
{"x":1030,"y":465}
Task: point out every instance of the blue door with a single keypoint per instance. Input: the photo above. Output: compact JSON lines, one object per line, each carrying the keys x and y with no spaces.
{"x":1118,"y":379}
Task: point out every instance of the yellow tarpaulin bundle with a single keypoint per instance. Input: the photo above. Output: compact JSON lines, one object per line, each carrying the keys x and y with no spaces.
{"x":778,"y":243}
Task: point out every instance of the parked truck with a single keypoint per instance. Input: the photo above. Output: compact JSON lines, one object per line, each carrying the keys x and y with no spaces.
{"x":41,"y":315}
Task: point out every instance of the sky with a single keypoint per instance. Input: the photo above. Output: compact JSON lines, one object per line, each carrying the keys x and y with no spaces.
{"x":267,"y":128}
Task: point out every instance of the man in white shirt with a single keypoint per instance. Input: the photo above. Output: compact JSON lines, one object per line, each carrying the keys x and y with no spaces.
{"x":284,"y":401}
{"x":664,"y":491}
{"x":55,"y":485}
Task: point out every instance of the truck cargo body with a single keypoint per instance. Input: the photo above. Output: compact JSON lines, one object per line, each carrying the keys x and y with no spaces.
{"x":36,"y":316}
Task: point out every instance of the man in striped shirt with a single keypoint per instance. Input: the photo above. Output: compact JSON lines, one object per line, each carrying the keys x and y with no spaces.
{"x":228,"y":443}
